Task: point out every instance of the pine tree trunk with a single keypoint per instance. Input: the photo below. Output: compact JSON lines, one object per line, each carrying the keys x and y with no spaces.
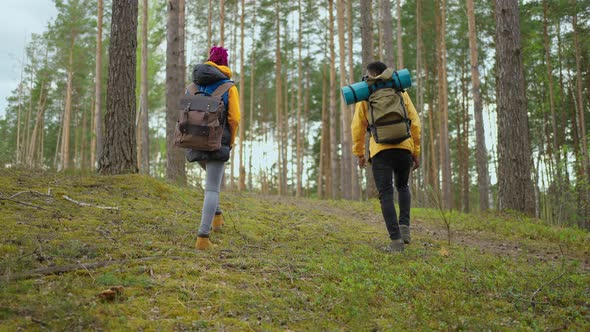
{"x":222,"y":22}
{"x":143,"y":131}
{"x":279,"y":103}
{"x":481,"y":154}
{"x":579,"y":97}
{"x":432,"y":132}
{"x":299,"y":131}
{"x":175,"y":163}
{"x":19,"y":111}
{"x":420,"y":86}
{"x":386,"y":26}
{"x":564,"y":110}
{"x":65,"y":141}
{"x":465,"y":144}
{"x":83,"y":139}
{"x":27,"y":124}
{"x":324,"y":174}
{"x":209,"y":23}
{"x":445,"y":160}
{"x":356,"y":191}
{"x":346,"y":164}
{"x":96,"y":143}
{"x":251,"y":134}
{"x":37,"y":129}
{"x":367,"y":57}
{"x":242,"y":169}
{"x":119,"y":150}
{"x":58,"y":143}
{"x":555,"y":147}
{"x":333,"y":107}
{"x":400,"y":47}
{"x":515,"y":188}
{"x":305,"y":122}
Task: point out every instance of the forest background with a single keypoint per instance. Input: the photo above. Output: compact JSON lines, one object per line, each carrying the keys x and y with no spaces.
{"x":289,"y":60}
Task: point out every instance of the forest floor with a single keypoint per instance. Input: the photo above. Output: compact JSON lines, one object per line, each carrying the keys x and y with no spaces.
{"x":281,"y":263}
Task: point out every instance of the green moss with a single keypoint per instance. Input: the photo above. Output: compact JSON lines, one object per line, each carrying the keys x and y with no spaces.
{"x":280,"y":264}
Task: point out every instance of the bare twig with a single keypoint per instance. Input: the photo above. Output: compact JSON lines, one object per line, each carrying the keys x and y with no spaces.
{"x":38,"y":321}
{"x":75,"y":267}
{"x":89,"y":205}
{"x":438,"y":203}
{"x":30,"y":191}
{"x":532,"y":301}
{"x":22,"y":203}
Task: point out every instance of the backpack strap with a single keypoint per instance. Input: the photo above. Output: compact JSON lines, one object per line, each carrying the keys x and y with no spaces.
{"x":192,"y":89}
{"x":223,"y":88}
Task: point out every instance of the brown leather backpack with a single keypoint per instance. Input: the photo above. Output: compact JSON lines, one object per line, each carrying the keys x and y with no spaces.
{"x":202,"y":119}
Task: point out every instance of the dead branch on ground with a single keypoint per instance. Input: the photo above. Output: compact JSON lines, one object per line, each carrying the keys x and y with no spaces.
{"x":90,"y":205}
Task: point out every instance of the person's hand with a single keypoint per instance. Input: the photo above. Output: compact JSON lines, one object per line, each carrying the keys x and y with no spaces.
{"x":416,"y":160}
{"x":362,"y":161}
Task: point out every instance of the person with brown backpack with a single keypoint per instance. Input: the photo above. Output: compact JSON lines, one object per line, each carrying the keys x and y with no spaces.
{"x":207,"y":128}
{"x":394,"y":148}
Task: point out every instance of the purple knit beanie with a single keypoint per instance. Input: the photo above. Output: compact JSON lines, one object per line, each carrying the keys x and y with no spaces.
{"x":218,"y":54}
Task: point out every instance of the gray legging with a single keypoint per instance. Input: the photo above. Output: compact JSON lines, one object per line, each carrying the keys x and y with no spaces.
{"x":214,"y":170}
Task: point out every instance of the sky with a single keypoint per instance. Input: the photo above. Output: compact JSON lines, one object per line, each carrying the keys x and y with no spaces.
{"x":18,"y":20}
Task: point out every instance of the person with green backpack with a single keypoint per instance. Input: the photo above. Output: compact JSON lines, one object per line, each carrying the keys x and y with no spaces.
{"x":394,"y":148}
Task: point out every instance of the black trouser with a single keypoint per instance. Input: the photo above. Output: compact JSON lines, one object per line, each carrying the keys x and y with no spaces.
{"x":388,"y":164}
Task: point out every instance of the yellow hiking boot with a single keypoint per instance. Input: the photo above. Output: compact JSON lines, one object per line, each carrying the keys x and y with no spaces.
{"x":218,"y":222}
{"x":203,"y":243}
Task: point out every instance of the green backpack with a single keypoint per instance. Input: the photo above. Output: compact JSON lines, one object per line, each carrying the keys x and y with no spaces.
{"x":388,"y":117}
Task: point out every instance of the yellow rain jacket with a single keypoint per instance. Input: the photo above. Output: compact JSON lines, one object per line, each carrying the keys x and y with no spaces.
{"x":233,"y":102}
{"x":359,"y":129}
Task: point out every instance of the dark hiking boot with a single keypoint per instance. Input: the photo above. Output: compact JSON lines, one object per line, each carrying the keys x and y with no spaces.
{"x":405,"y":231}
{"x":395,"y":246}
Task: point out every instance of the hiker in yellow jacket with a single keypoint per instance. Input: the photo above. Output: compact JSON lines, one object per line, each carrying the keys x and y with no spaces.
{"x":207,"y":77}
{"x":389,"y":162}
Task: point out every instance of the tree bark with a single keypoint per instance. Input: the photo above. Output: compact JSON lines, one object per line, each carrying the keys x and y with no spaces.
{"x":175,"y":164}
{"x":209,"y":23}
{"x":222,"y":22}
{"x":481,"y":154}
{"x":324,"y":179}
{"x":96,"y":143}
{"x":515,"y":188}
{"x":445,"y":160}
{"x":579,"y":97}
{"x":299,"y":131}
{"x":119,"y":149}
{"x":251,"y":110}
{"x":279,"y":104}
{"x":242,"y":169}
{"x":333,"y":106}
{"x":37,"y":129}
{"x":65,"y":141}
{"x":367,"y":57}
{"x":353,"y":167}
{"x":386,"y":26}
{"x":400,"y":47}
{"x":345,"y":116}
{"x":143,"y":131}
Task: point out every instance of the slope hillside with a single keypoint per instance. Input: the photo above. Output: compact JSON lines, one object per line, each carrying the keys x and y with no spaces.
{"x":116,"y":253}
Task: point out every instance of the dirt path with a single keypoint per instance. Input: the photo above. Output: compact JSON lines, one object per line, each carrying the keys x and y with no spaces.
{"x":486,"y":242}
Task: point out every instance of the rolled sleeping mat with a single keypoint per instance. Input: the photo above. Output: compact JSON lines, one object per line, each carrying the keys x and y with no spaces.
{"x":360,"y":91}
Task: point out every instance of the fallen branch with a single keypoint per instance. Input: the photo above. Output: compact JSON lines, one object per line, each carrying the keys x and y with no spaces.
{"x":89,"y":205}
{"x":30,"y":191}
{"x":22,"y":203}
{"x":55,"y":270}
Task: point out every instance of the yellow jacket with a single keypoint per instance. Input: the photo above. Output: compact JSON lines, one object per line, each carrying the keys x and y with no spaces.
{"x":233,"y":103}
{"x":359,"y":129}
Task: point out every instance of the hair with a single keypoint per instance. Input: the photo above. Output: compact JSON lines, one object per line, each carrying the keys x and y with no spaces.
{"x":376,"y":68}
{"x":218,"y":55}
